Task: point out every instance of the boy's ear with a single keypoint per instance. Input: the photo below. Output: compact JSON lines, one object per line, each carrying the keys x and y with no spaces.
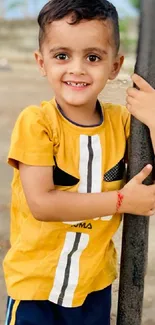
{"x":117,"y":64}
{"x":39,"y":59}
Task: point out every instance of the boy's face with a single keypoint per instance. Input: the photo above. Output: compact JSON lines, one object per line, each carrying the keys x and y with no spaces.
{"x":78,"y":60}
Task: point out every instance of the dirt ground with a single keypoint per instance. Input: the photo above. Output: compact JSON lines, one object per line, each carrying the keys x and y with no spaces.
{"x":19,"y":87}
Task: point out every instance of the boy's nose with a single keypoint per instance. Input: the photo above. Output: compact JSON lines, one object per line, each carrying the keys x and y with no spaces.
{"x":76,"y":67}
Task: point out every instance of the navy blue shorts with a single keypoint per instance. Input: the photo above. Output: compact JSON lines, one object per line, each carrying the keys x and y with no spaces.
{"x":94,"y":311}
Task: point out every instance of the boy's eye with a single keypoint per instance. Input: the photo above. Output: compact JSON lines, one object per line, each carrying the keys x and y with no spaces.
{"x":62,"y":56}
{"x":93,"y":58}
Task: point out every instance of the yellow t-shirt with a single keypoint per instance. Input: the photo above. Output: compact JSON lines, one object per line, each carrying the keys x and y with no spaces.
{"x":56,"y":261}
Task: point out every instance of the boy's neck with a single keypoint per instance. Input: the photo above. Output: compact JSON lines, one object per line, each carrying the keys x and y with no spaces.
{"x":86,"y":115}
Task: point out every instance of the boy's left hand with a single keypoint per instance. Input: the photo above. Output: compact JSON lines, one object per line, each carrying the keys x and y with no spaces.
{"x":141,"y":103}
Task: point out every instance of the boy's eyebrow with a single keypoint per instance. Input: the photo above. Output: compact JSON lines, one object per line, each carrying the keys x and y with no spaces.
{"x":56,"y":49}
{"x":96,"y":49}
{"x":89,"y":49}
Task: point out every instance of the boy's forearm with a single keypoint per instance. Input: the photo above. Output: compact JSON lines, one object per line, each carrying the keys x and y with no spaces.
{"x":67,"y":206}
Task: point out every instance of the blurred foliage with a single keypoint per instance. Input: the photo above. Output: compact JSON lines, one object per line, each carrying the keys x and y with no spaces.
{"x":128,"y":43}
{"x":124,"y":26}
{"x":136,"y":3}
{"x":15,"y":4}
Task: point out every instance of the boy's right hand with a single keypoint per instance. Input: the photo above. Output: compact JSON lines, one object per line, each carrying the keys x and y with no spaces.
{"x":139,"y":199}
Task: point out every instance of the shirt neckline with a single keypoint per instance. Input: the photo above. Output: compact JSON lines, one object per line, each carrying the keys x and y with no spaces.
{"x":98,"y":108}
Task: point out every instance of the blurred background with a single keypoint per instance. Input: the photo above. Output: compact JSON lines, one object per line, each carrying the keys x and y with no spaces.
{"x":18,"y":28}
{"x":22,"y":85}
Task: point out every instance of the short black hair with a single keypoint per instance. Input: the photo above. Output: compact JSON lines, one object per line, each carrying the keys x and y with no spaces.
{"x":80,"y":9}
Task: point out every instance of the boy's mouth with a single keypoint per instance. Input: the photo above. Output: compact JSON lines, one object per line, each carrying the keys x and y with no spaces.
{"x":76,"y":84}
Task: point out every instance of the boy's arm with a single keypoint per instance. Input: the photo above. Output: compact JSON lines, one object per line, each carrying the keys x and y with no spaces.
{"x":48,"y":204}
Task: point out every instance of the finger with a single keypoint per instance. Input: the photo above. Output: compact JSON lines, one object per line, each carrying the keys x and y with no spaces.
{"x":151,"y":213}
{"x":132,"y":106}
{"x":131,"y":111}
{"x":153,"y":184}
{"x":141,"y":83}
{"x":129,"y":107}
{"x":132,"y":92}
{"x":145,"y":172}
{"x":132,"y":101}
{"x":153,"y":188}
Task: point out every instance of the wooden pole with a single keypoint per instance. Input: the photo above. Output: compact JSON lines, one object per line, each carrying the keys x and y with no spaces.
{"x":135,"y":231}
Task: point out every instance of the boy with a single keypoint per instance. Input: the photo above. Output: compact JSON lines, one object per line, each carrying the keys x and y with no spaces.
{"x":68,"y":159}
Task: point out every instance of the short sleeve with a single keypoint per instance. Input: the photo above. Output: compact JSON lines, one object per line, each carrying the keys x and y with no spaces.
{"x":126,"y":121}
{"x":32,"y":139}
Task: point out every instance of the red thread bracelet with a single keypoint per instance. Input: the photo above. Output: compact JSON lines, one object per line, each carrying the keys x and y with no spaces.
{"x":120,"y":198}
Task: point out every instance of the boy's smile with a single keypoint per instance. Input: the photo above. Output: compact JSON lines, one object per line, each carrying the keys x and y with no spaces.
{"x":78,"y":60}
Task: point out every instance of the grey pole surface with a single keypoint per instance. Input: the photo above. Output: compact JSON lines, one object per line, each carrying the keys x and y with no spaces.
{"x":136,"y":229}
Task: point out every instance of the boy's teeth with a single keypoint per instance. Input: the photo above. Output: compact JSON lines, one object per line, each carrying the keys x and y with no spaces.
{"x":74,"y":84}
